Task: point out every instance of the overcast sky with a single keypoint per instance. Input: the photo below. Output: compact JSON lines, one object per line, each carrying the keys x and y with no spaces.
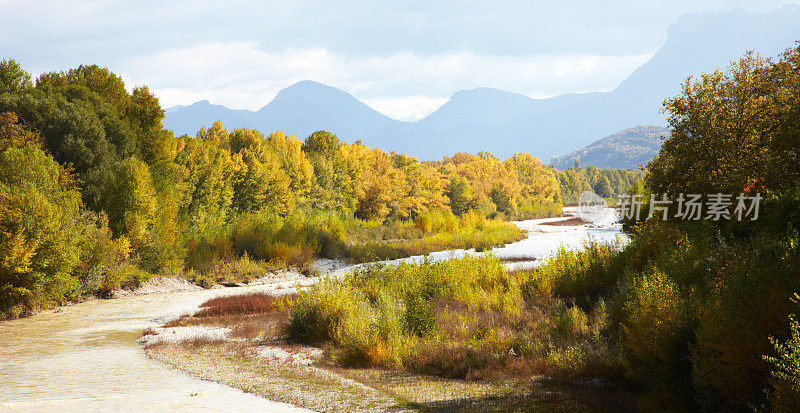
{"x":403,"y":59}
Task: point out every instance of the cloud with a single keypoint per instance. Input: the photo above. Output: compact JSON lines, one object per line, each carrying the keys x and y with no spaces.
{"x":406,"y":108}
{"x":403,"y":85}
{"x":240,"y":53}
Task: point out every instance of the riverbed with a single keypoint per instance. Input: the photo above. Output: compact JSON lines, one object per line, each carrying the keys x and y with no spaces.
{"x":83,"y":357}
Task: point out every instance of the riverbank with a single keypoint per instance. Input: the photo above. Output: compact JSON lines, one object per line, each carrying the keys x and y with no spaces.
{"x":90,"y":347}
{"x":370,"y":243}
{"x":253,"y":354}
{"x":325,"y":388}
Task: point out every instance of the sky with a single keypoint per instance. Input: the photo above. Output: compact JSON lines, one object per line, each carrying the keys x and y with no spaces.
{"x":404,"y":59}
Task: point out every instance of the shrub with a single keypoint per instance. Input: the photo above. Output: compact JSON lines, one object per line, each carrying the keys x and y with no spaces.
{"x":125,"y":276}
{"x":318,"y":313}
{"x":751,"y":302}
{"x":657,"y":330}
{"x":785,"y":395}
{"x":294,"y":240}
{"x":576,"y":272}
{"x":419,"y":318}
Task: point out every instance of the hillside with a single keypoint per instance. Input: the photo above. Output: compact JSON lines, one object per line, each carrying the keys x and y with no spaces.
{"x":624,"y":149}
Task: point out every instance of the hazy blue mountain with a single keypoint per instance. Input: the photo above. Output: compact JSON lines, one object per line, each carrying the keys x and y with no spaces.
{"x":189,"y":119}
{"x":301,"y":108}
{"x":309,"y":106}
{"x":504,"y":122}
{"x":624,"y":149}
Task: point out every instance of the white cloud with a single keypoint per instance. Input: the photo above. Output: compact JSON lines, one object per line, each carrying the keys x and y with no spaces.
{"x":406,"y":108}
{"x":403,"y":85}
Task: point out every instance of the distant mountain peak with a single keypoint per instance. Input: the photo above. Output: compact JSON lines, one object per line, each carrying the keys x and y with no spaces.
{"x":625,"y":149}
{"x":310,"y":88}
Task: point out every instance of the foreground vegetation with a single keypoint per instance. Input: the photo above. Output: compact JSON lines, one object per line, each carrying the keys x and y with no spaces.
{"x":460,"y":334}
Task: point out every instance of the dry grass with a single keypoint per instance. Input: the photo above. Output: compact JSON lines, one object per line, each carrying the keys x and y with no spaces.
{"x":518,"y":258}
{"x":568,"y":222}
{"x":255,"y":316}
{"x":149,"y":332}
{"x":203,"y":341}
{"x":241,"y":304}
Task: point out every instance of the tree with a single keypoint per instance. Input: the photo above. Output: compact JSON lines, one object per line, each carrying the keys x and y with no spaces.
{"x":294,"y":163}
{"x":377,"y":184}
{"x":322,"y":143}
{"x":260,"y":183}
{"x":211,"y":169}
{"x":537,"y":182}
{"x":424,"y":188}
{"x":12,"y":78}
{"x":129,"y":199}
{"x":13,"y":134}
{"x":333,"y":183}
{"x":99,"y":80}
{"x":460,"y":194}
{"x":501,"y":199}
{"x":719,"y":136}
{"x":603,"y":187}
{"x":40,"y":227}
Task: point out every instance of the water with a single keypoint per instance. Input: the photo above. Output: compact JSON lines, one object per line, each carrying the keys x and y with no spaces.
{"x":83,"y":357}
{"x":542,"y":241}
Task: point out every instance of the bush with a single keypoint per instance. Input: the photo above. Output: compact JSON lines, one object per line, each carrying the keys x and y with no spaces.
{"x":785,"y":395}
{"x":751,"y":302}
{"x":318,"y":313}
{"x":576,"y":273}
{"x":294,"y":240}
{"x":657,"y":330}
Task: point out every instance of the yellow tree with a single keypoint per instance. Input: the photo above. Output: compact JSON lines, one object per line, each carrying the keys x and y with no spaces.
{"x":294,"y":162}
{"x":210,"y":169}
{"x":377,"y":184}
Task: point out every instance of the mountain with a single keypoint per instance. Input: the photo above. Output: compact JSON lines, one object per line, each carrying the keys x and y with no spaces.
{"x":624,"y":149}
{"x":504,"y":122}
{"x":307,"y":106}
{"x":189,"y":119}
{"x":301,"y":108}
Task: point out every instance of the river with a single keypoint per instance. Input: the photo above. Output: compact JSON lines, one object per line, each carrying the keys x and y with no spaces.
{"x":83,"y":357}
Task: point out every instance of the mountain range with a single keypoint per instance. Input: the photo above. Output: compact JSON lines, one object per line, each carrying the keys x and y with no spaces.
{"x":504,"y":122}
{"x":625,"y":149}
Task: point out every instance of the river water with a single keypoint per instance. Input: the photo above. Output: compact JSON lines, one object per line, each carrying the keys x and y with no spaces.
{"x":83,"y":357}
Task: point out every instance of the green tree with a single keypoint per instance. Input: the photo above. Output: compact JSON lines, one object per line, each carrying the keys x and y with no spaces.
{"x":12,"y":78}
{"x":460,"y":194}
{"x":501,"y":199}
{"x":603,"y":187}
{"x":40,"y":228}
{"x":260,"y":183}
{"x":333,"y":185}
{"x":719,"y":132}
{"x":211,"y":169}
{"x":129,"y":199}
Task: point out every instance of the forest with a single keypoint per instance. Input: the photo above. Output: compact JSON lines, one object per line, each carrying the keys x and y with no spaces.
{"x":95,"y":194}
